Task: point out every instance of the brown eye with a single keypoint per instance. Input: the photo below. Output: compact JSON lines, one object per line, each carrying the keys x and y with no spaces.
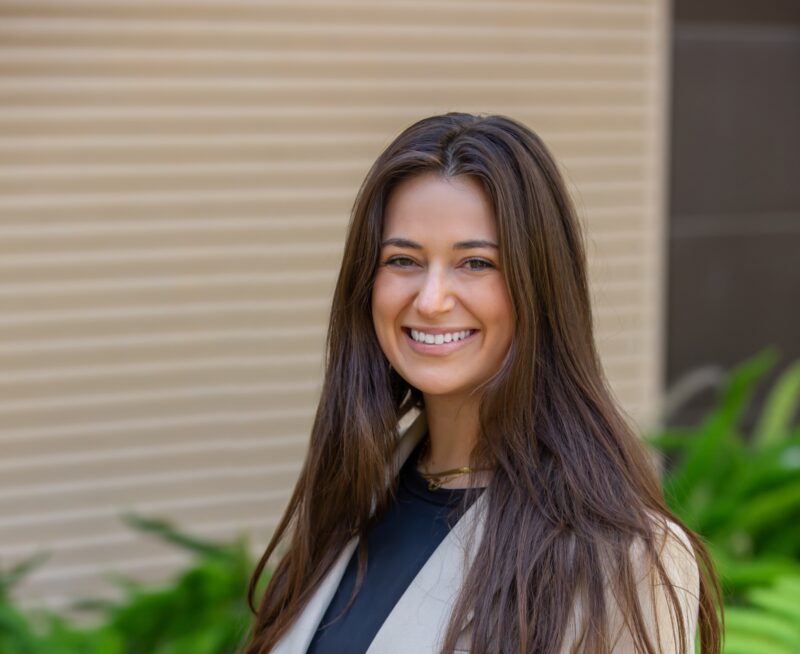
{"x":393,"y":262}
{"x":484,"y":264}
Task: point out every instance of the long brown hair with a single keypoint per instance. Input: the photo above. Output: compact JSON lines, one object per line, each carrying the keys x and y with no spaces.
{"x":573,"y":488}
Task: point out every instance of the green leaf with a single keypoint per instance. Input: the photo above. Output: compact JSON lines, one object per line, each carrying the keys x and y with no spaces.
{"x":770,"y":627}
{"x":778,"y":602}
{"x":779,"y":408}
{"x":736,"y":643}
{"x":766,"y":509}
{"x":742,"y":574}
{"x":10,"y":578}
{"x":167,"y":532}
{"x":695,"y":479}
{"x":671,"y":439}
{"x":770,"y":622}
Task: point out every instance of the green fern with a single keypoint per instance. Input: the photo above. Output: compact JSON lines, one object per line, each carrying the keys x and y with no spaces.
{"x":769,"y":623}
{"x":741,"y":492}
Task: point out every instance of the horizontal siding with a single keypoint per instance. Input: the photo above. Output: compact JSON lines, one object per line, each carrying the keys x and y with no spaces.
{"x":175,"y":183}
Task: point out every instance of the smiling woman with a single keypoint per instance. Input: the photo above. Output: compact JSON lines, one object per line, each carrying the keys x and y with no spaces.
{"x":471,"y":485}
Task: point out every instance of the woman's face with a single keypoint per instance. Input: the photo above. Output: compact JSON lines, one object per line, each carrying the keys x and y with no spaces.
{"x":439,"y":273}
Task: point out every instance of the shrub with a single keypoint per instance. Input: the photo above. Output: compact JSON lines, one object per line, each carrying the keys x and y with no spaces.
{"x":203,"y":611}
{"x":741,"y":492}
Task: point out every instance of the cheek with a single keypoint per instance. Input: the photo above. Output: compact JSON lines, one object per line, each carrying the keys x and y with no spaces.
{"x":492,"y":301}
{"x":499,"y":313}
{"x":384,"y":304}
{"x":388,"y":294}
{"x":379,"y":297}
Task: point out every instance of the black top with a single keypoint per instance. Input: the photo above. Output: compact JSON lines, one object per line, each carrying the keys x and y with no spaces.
{"x":398,"y":545}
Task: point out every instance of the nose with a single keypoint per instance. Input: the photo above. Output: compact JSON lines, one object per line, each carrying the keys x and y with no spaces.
{"x":434,"y":296}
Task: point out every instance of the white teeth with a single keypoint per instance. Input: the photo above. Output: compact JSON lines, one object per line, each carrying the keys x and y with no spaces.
{"x":438,"y":339}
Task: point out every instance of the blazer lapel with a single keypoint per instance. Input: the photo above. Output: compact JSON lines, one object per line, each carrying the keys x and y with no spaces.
{"x":418,"y":621}
{"x":297,"y":639}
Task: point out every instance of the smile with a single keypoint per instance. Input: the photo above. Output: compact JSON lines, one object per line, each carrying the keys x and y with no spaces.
{"x":456,"y":341}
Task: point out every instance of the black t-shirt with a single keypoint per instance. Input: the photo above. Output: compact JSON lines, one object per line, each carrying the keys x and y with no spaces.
{"x":398,"y":545}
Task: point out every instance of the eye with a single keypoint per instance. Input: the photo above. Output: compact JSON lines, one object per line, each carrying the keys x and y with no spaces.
{"x":393,"y":261}
{"x":485,"y":264}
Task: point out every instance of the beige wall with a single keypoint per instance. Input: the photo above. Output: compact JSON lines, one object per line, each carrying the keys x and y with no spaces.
{"x":175,"y":183}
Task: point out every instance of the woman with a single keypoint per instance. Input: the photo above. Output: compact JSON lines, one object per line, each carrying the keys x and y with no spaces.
{"x":462,"y":307}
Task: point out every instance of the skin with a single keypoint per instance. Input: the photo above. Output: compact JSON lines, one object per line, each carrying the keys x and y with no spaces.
{"x":436,"y":285}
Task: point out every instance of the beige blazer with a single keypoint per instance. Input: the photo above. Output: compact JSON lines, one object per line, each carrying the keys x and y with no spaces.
{"x":418,"y":620}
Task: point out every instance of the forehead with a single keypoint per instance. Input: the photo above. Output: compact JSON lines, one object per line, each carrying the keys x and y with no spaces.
{"x":453,"y":208}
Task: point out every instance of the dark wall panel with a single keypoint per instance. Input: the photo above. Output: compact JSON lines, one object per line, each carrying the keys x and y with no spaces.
{"x":734,"y":232}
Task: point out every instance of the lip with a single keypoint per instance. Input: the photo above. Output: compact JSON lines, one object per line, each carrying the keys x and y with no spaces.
{"x":438,"y":330}
{"x":438,"y":350}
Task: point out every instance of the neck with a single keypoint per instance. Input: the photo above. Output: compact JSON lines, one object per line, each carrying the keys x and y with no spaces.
{"x":453,"y":428}
{"x":453,"y":432}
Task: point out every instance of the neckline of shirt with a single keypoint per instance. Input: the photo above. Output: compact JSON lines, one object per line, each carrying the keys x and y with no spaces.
{"x":417,"y":485}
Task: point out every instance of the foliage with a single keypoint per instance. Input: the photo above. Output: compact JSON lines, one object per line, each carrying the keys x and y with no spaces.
{"x":769,"y":624}
{"x":203,"y":611}
{"x":742,"y":494}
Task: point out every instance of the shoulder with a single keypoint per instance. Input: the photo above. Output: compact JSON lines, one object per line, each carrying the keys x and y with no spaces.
{"x":672,"y":549}
{"x":676,"y":555}
{"x":662,"y":618}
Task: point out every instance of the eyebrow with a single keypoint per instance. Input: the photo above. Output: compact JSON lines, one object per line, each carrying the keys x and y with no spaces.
{"x":461,"y":245}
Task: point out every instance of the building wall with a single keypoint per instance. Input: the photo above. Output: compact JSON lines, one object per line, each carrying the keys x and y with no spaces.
{"x":176,"y":179}
{"x":734,"y":224}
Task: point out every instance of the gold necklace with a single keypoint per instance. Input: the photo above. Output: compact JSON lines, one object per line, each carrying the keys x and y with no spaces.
{"x":436,"y":479}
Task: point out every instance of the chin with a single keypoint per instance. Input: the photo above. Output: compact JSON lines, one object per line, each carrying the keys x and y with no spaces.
{"x":438,"y":387}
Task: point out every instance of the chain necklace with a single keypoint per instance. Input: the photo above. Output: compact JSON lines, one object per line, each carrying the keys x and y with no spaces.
{"x":436,"y":479}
